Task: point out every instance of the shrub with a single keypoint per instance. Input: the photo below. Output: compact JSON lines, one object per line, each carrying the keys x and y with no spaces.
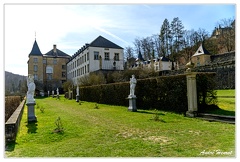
{"x":168,"y":93}
{"x":207,"y":95}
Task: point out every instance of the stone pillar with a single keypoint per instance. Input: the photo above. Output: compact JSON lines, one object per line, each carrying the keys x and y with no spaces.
{"x":31,"y":112}
{"x":192,"y":94}
{"x":132,"y":103}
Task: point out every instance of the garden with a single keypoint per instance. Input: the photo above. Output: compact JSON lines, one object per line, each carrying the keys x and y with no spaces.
{"x":66,"y":128}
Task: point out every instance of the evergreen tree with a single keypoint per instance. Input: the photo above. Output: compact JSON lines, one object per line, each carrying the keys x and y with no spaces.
{"x":165,"y":37}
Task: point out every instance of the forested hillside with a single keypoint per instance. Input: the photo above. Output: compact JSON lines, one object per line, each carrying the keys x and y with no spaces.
{"x":15,"y":84}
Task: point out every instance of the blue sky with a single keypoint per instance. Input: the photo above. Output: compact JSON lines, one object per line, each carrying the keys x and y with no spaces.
{"x":71,"y":26}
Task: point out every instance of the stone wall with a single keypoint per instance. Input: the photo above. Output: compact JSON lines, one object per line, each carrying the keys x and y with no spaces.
{"x":13,"y":123}
{"x":222,"y":64}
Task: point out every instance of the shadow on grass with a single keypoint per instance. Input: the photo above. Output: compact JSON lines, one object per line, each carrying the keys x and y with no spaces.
{"x":214,"y":109}
{"x":32,"y":127}
{"x":10,"y":146}
{"x":147,"y":112}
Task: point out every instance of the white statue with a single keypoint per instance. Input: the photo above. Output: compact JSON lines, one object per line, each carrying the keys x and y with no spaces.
{"x":77,"y":90}
{"x":31,"y":89}
{"x":133,"y":83}
{"x":57,"y":91}
{"x":48,"y":93}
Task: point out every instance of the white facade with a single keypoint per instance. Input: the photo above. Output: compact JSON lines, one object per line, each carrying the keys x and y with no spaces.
{"x":157,"y":64}
{"x":89,"y":59}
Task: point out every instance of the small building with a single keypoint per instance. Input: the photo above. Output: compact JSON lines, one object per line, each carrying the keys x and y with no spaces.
{"x":100,"y":55}
{"x":159,"y":64}
{"x":201,"y":57}
{"x":49,"y":70}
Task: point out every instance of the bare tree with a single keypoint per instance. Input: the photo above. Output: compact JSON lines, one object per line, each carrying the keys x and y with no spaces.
{"x":157,"y":44}
{"x":128,"y":52}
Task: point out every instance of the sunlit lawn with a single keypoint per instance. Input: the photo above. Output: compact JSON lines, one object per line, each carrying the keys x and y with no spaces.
{"x":112,"y":131}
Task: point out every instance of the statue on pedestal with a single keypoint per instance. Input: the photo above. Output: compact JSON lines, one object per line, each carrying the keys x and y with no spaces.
{"x":31,"y":89}
{"x":30,"y":99}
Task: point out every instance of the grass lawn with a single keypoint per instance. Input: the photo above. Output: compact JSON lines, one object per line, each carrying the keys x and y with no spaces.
{"x":226,"y":105}
{"x":226,"y":92}
{"x":112,"y":131}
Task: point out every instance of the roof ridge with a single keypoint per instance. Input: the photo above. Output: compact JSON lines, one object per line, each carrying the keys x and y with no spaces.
{"x":100,"y":41}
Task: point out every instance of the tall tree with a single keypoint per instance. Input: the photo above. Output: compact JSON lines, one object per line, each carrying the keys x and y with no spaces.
{"x":137,"y":44}
{"x":177,"y":31}
{"x":165,"y":37}
{"x":147,"y":45}
{"x":157,"y":44}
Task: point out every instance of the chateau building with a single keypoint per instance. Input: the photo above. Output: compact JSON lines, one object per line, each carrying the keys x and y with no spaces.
{"x":100,"y":55}
{"x":49,"y":70}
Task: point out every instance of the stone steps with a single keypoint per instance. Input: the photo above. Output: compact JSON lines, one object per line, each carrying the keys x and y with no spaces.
{"x":217,"y":118}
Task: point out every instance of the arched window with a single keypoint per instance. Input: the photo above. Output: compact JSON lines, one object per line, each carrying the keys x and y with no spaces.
{"x":49,"y":70}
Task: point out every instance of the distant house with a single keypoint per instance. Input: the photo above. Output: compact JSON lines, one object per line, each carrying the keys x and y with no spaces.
{"x":201,"y":57}
{"x":158,"y":64}
{"x":49,"y":70}
{"x":100,"y":55}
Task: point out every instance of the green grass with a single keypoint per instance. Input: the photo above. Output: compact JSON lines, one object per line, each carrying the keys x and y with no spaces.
{"x":227,"y":92}
{"x":112,"y":131}
{"x":226,"y":105}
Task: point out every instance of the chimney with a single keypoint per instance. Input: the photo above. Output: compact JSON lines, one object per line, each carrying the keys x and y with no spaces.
{"x":55,"y":48}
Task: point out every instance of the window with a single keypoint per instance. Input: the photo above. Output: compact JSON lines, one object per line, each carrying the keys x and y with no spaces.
{"x":35,"y":60}
{"x":87,"y":56}
{"x":54,"y":61}
{"x":44,"y":61}
{"x":63,"y":67}
{"x":35,"y":68}
{"x":116,"y":57}
{"x":106,"y":55}
{"x":49,"y":76}
{"x":49,"y":70}
{"x":63,"y":74}
{"x":96,"y":55}
{"x":35,"y":77}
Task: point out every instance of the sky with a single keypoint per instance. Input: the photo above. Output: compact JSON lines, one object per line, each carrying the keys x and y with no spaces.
{"x":70,"y":26}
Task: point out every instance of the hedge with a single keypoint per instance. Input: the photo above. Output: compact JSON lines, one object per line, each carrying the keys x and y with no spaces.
{"x":168,"y":93}
{"x":11,"y":104}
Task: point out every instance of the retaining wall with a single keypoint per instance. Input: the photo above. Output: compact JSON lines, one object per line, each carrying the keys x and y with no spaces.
{"x":13,"y":123}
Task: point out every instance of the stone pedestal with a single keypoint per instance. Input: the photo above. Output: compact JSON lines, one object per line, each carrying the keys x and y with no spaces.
{"x":132,"y":103}
{"x":31,"y":112}
{"x":77,"y":98}
{"x":192,"y":94}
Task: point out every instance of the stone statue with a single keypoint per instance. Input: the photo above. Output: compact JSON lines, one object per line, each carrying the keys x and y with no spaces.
{"x":77,"y":90}
{"x":31,"y":89}
{"x":133,"y":83}
{"x":57,"y":91}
